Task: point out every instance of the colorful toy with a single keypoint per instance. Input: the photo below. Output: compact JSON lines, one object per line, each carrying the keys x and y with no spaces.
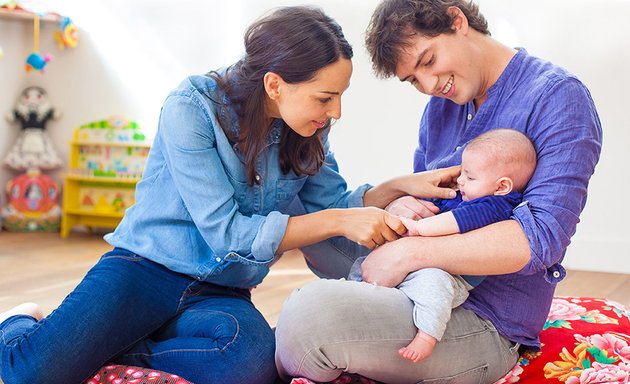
{"x":103,"y":199}
{"x":37,"y":61}
{"x":9,"y":4}
{"x":107,"y":158}
{"x":67,"y":36}
{"x":114,"y":147}
{"x":32,"y":203}
{"x":112,"y":129}
{"x":33,"y":148}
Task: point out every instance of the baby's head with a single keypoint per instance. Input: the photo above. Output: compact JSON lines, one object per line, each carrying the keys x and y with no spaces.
{"x":496,"y":163}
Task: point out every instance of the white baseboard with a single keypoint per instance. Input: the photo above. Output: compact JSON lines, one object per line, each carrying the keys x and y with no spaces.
{"x":599,"y":255}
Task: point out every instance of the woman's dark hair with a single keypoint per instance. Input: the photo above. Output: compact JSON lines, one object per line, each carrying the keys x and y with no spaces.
{"x":394,"y":22}
{"x":295,"y":43}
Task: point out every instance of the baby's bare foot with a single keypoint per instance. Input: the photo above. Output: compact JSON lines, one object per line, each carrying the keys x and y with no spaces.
{"x":420,"y":347}
{"x":30,"y":309}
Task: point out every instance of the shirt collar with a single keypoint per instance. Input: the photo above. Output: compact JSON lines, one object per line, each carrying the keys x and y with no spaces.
{"x":512,"y":67}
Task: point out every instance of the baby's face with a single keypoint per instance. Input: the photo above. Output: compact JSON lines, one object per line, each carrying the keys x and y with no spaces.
{"x":479,"y":176}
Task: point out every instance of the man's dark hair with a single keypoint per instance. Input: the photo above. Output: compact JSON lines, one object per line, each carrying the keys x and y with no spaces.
{"x":394,"y":22}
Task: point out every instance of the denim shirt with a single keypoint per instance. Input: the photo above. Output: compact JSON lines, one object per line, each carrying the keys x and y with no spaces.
{"x":195,"y":212}
{"x":555,"y":110}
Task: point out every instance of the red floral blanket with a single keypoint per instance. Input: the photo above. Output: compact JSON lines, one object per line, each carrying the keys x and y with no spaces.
{"x":584,"y":341}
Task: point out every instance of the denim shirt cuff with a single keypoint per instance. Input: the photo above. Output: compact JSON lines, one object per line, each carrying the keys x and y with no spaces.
{"x":269,"y":236}
{"x":355,"y":199}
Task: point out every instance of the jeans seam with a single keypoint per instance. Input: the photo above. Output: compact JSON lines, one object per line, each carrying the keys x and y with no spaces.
{"x":183,"y":297}
{"x":310,"y":351}
{"x":482,"y":368}
{"x":471,"y":334}
{"x":511,"y":350}
{"x":238,"y":329}
{"x":120,"y":351}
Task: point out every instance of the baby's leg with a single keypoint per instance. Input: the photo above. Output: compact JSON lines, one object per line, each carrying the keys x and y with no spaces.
{"x":434,"y":293}
{"x":420,"y":347}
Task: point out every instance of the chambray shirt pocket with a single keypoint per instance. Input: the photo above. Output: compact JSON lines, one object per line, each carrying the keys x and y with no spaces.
{"x":287,"y":190}
{"x":241,"y":195}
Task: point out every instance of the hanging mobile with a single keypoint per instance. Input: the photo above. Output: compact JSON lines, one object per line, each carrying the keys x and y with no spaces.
{"x":37,"y":61}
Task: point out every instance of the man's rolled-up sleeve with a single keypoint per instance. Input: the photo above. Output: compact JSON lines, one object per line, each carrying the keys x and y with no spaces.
{"x":567,"y":135}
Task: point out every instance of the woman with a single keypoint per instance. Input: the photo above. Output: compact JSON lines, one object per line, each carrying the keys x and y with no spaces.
{"x":233,"y":150}
{"x":443,"y":48}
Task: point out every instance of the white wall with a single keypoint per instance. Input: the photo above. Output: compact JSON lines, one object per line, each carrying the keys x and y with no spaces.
{"x":131,"y":53}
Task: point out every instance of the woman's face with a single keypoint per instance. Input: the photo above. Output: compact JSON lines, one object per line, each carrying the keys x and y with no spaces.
{"x":309,"y":106}
{"x":447,"y":65}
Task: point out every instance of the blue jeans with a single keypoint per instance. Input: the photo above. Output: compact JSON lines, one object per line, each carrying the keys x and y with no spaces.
{"x":130,"y":310}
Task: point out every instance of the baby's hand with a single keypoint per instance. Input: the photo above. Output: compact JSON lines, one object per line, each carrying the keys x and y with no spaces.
{"x":411,"y":226}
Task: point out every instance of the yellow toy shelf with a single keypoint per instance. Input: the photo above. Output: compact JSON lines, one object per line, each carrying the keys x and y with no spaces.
{"x":106,"y":161}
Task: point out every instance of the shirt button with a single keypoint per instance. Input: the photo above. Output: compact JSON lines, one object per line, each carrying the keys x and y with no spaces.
{"x":257,"y":177}
{"x":218,"y":259}
{"x":458,"y":147}
{"x":470,"y":116}
{"x":556,"y":274}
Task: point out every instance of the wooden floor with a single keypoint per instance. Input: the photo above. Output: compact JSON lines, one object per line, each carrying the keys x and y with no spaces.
{"x":44,"y":268}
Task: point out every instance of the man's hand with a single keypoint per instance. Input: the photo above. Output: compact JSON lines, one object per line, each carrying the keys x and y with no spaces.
{"x":412,"y":208}
{"x":388,"y":264}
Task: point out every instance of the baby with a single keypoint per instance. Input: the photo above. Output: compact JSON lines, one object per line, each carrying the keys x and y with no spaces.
{"x":496,"y":167}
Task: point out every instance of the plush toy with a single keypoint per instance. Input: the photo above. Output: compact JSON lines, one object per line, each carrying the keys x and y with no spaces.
{"x":67,"y":36}
{"x":33,"y":148}
{"x":32,"y":203}
{"x":37,"y":61}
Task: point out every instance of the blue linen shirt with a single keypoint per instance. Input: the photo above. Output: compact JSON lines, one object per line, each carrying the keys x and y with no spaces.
{"x":556,"y":111}
{"x":478,"y":213}
{"x":195,"y":212}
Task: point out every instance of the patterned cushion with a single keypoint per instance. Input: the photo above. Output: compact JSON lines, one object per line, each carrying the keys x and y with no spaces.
{"x":584,"y":341}
{"x":122,"y":374}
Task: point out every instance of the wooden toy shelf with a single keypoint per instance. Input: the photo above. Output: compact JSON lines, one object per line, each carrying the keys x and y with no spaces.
{"x":21,"y":14}
{"x":105,"y":165}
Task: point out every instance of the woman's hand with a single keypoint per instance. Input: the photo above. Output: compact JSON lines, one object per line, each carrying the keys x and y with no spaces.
{"x":369,"y":226}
